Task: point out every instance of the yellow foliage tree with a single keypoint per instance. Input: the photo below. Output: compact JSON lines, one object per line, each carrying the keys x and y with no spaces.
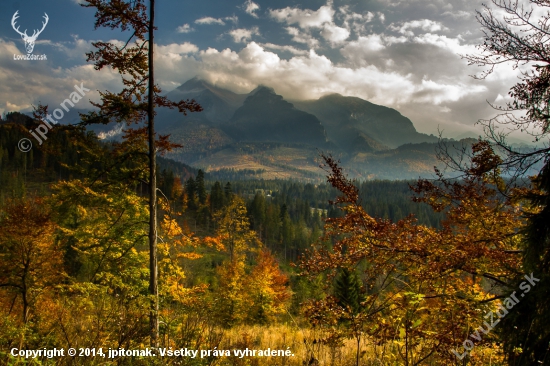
{"x":234,"y":230}
{"x":235,"y":237}
{"x":105,"y":223}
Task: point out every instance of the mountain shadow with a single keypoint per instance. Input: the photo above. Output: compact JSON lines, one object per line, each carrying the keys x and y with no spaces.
{"x":266,"y":116}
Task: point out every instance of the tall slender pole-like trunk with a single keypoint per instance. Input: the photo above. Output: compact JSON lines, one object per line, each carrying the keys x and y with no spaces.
{"x":153,"y":275}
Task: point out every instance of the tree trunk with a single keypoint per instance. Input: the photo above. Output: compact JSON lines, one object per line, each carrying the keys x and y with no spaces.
{"x":357,"y":355}
{"x":153,"y":270}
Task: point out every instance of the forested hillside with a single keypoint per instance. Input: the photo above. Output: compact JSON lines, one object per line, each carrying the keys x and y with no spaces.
{"x":305,"y":205}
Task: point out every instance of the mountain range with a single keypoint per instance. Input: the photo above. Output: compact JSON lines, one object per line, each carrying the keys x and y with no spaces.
{"x":353,"y":124}
{"x":262,"y":131}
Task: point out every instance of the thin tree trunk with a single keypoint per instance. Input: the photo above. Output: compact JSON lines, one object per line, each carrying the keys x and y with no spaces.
{"x":406,"y":345}
{"x":358,"y":349}
{"x":153,"y":270}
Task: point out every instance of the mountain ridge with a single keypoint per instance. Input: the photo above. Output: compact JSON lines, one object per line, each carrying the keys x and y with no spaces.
{"x":352,"y":123}
{"x":261,"y":130}
{"x":343,"y":116}
{"x":267,"y":116}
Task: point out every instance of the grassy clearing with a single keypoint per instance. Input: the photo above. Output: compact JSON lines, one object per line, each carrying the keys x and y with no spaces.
{"x":306,"y":346}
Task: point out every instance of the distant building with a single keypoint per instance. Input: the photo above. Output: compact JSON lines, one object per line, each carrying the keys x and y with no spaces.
{"x":318,"y":211}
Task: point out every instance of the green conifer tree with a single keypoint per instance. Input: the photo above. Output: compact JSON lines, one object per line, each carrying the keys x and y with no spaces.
{"x":201,"y":190}
{"x":228,"y":191}
{"x":347,"y":290}
{"x":216,"y":197}
{"x":191,"y":190}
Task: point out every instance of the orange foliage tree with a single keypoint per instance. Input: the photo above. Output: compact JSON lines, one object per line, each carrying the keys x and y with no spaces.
{"x":31,"y":261}
{"x":425,"y":289}
{"x":267,"y":289}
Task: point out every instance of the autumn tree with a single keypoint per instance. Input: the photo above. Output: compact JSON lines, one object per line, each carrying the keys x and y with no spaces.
{"x":517,"y":34}
{"x":180,"y":302}
{"x":31,"y":260}
{"x":235,"y":238}
{"x":410,"y":270}
{"x":234,"y":230}
{"x":103,"y":221}
{"x":267,"y":288}
{"x":103,"y":224}
{"x":136,"y":103}
{"x":231,"y":305}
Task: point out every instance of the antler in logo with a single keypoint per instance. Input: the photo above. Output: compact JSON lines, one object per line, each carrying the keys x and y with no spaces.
{"x":29,"y":41}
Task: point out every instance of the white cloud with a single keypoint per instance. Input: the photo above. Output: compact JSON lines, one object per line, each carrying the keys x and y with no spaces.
{"x":251,"y":7}
{"x":357,"y":22}
{"x":186,"y":28}
{"x":428,"y":54}
{"x":242,"y":35}
{"x":286,"y":48}
{"x":115,"y":131}
{"x":351,"y":16}
{"x":368,"y":17}
{"x":311,"y":75}
{"x":12,"y":107}
{"x":334,"y":34}
{"x":354,"y":50}
{"x":30,"y":83}
{"x":304,"y":18}
{"x":452,"y":44}
{"x":176,"y":49}
{"x":461,"y":14}
{"x":234,"y":19}
{"x":74,"y":49}
{"x":209,"y":20}
{"x":323,"y":18}
{"x":302,"y":37}
{"x":423,"y":24}
{"x":432,"y":92}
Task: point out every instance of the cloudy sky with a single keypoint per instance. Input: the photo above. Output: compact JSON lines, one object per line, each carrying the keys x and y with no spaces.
{"x":403,"y":54}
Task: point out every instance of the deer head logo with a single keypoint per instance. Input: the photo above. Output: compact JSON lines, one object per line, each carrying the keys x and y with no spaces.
{"x":29,"y":40}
